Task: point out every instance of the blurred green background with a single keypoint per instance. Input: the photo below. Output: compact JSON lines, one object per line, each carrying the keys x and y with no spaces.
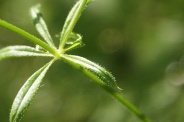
{"x":140,"y":41}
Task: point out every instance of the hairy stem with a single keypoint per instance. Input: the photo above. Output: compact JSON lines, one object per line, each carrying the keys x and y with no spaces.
{"x":75,"y":62}
{"x":117,"y":95}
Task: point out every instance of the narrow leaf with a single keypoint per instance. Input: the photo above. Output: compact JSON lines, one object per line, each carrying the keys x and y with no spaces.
{"x":41,"y":25}
{"x":74,"y":41}
{"x":21,"y":51}
{"x":71,"y":20}
{"x":27,"y":93}
{"x":95,"y":72}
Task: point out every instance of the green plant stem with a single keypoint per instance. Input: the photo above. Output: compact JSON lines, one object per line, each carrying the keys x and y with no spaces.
{"x":29,"y":37}
{"x":116,"y":94}
{"x":72,"y":24}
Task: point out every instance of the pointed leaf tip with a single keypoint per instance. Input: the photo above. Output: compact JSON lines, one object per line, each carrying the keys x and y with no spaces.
{"x":95,"y":72}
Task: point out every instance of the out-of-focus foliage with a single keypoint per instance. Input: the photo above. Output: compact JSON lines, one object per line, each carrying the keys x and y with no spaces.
{"x":140,"y":42}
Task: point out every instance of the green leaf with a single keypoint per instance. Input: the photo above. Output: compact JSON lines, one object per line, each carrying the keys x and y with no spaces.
{"x":95,"y":72}
{"x":70,"y":22}
{"x":27,"y":93}
{"x":41,"y":25}
{"x":21,"y":51}
{"x":74,"y":41}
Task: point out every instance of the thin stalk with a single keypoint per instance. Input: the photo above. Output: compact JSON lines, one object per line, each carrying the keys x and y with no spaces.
{"x":114,"y":92}
{"x":72,"y":24}
{"x":117,"y":95}
{"x":29,"y":37}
